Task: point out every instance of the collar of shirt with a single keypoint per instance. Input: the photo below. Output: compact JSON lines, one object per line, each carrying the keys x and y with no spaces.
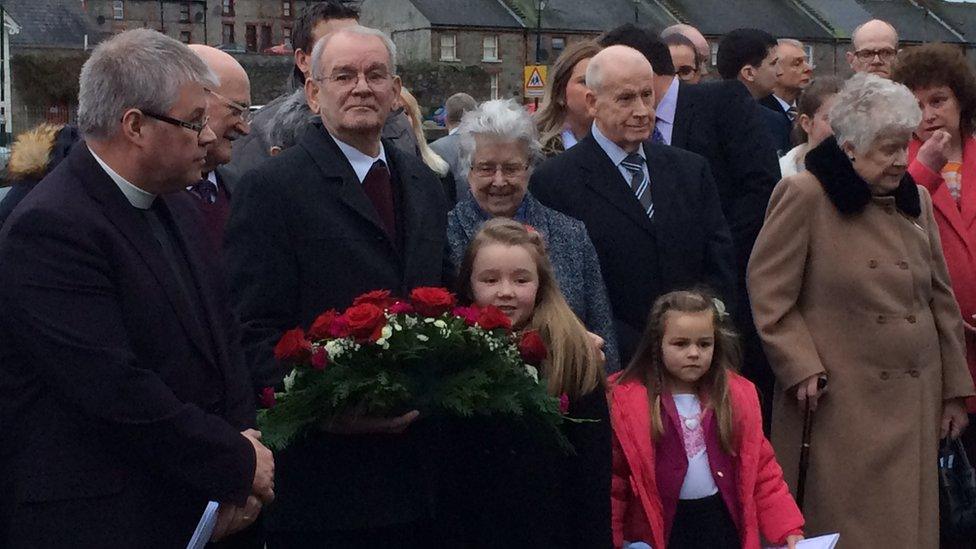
{"x":211,"y":177}
{"x":521,"y":213}
{"x":666,"y":109}
{"x":569,"y":139}
{"x":616,"y":154}
{"x":782,"y":103}
{"x":453,"y":130}
{"x":137,"y":197}
{"x":361,"y":163}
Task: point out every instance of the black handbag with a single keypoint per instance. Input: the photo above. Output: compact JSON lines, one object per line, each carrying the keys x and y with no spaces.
{"x":957,"y":491}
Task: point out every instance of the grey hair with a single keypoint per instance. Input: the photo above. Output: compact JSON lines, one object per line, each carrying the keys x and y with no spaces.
{"x":869,"y":106}
{"x":290,"y":120}
{"x":137,"y":69}
{"x":790,"y":42}
{"x":500,"y":119}
{"x":354,"y":29}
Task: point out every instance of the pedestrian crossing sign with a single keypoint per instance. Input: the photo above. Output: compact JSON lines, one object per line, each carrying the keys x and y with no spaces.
{"x":535,"y":80}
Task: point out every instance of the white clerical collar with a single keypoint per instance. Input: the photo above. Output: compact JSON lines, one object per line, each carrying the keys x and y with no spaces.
{"x":361,"y":162}
{"x":616,"y":154}
{"x":137,"y":197}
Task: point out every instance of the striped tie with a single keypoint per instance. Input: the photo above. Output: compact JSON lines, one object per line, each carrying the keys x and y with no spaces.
{"x":634,"y":163}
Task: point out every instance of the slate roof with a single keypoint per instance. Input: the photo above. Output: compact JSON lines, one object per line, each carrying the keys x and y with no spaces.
{"x":961,"y":16}
{"x":842,"y":15}
{"x":467,"y":13}
{"x":587,"y":15}
{"x":51,"y":23}
{"x":913,"y":23}
{"x":777,"y":17}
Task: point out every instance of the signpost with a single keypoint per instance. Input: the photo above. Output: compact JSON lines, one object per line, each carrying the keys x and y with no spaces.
{"x":534,"y":82}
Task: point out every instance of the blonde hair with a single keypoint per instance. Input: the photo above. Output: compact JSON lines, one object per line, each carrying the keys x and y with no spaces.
{"x":412,"y":109}
{"x":571,"y":367}
{"x":552,"y":113}
{"x":647,"y":365}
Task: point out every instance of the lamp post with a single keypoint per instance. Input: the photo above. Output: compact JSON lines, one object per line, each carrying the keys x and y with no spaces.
{"x":636,"y":3}
{"x":540,"y":5}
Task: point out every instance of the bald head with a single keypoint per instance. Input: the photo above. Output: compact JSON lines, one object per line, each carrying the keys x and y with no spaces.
{"x":612,"y":62}
{"x":691,"y":33}
{"x":620,"y":96}
{"x":873,"y":48}
{"x":227,"y":106}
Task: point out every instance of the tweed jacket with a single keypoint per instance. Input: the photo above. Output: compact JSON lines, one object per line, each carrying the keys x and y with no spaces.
{"x":571,"y":253}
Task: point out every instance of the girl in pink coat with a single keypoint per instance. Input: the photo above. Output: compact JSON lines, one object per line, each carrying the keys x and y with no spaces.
{"x":691,"y":467}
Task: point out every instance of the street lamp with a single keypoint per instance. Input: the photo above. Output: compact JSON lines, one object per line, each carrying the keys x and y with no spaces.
{"x":540,"y":5}
{"x":636,"y":3}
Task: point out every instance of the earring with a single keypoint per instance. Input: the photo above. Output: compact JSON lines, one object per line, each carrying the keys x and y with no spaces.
{"x":851,"y":158}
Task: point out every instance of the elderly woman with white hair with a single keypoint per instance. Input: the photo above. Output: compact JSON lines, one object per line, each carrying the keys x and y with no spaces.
{"x":848,"y":283}
{"x":498,"y":148}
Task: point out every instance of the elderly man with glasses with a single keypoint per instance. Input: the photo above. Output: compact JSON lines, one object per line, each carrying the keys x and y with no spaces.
{"x":873,"y":48}
{"x":340,"y":213}
{"x":126,"y":404}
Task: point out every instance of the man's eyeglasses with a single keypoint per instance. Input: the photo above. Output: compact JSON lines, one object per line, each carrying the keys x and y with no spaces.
{"x":508,"y":170}
{"x":243,"y":111}
{"x":193,"y":126}
{"x":375,"y":80}
{"x":686,"y":72}
{"x":885,"y":54}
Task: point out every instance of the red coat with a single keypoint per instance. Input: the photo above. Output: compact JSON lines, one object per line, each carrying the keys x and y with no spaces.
{"x":957,"y":228}
{"x":644,"y":494}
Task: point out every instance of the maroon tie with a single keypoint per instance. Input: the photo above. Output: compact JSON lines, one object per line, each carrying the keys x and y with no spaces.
{"x":379,"y":189}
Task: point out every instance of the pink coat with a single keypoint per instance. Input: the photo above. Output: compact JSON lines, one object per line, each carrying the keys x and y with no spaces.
{"x":644,"y":493}
{"x":957,"y":229}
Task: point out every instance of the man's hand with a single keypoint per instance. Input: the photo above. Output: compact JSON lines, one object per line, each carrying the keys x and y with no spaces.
{"x":263,"y":484}
{"x":232,"y":519}
{"x":355,"y":424}
{"x":933,"y":154}
{"x":954,"y":418}
{"x":809,"y":390}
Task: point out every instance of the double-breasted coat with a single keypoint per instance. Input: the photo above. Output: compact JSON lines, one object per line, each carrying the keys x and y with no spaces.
{"x":856,"y":286}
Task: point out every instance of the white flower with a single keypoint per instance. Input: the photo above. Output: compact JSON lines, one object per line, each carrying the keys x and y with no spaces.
{"x":422,"y":337}
{"x":429,"y":320}
{"x":290,"y":380}
{"x":440,"y":324}
{"x":533,"y":373}
{"x":386,"y":332}
{"x":335,"y":348}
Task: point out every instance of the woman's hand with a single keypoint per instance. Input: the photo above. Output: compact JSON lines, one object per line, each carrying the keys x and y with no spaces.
{"x":597,"y":343}
{"x":809,"y":390}
{"x":933,"y":154}
{"x":791,"y":541}
{"x":954,"y":418}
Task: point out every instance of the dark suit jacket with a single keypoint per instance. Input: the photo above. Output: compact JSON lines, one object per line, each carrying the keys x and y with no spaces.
{"x":122,"y":407}
{"x":303,"y":237}
{"x":721,"y":121}
{"x":686,"y":244}
{"x":779,"y":127}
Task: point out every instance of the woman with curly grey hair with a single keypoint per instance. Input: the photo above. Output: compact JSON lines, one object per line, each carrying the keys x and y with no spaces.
{"x":849,"y":283}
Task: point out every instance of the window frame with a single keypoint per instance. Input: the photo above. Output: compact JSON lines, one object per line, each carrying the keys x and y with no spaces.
{"x":118,"y":10}
{"x":227,"y":8}
{"x":494,"y":86}
{"x":188,"y":35}
{"x":286,"y":8}
{"x":453,"y":38}
{"x":495,"y":58}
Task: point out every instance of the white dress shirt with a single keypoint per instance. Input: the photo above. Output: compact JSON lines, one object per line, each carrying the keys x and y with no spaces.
{"x":361,"y":162}
{"x":137,"y":197}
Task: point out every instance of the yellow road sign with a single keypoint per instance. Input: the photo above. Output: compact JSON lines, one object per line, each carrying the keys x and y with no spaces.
{"x":535,"y":80}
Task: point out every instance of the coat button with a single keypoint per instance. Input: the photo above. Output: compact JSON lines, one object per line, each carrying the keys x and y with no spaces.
{"x":884,"y":376}
{"x":913,"y":373}
{"x":881,"y":319}
{"x":911,"y":319}
{"x":873,"y":263}
{"x":903,"y":265}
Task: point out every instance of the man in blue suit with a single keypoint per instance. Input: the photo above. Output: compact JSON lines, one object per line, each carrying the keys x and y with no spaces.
{"x":126,"y":404}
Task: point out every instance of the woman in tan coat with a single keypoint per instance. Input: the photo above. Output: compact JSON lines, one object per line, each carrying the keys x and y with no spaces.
{"x":848,"y":281}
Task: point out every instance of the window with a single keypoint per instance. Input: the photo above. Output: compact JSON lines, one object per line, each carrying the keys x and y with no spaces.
{"x":186,"y":37}
{"x":286,"y":36}
{"x":286,"y":8}
{"x":713,"y":48}
{"x":449,"y":47}
{"x":490,"y":48}
{"x":809,"y":50}
{"x":558,"y":45}
{"x":185,"y":12}
{"x":494,"y":86}
{"x":227,"y":36}
{"x":227,"y":7}
{"x":250,"y":38}
{"x":118,"y":10}
{"x":265,"y":41}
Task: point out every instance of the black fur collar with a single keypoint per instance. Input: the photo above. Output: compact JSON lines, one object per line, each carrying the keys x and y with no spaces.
{"x":849,"y":193}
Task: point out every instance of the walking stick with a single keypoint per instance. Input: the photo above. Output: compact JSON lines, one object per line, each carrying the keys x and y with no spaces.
{"x":805,"y":446}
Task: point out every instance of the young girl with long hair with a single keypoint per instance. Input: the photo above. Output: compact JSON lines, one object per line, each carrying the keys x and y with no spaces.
{"x":530,"y":493}
{"x":691,"y":467}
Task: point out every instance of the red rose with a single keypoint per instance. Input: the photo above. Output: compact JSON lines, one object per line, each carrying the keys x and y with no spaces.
{"x":292,"y":347}
{"x":432,"y":302}
{"x":320,"y":358}
{"x":322,"y":327}
{"x":340,"y":327}
{"x":363,"y":320}
{"x":267,"y":397}
{"x":564,"y":404}
{"x":492,"y":317}
{"x":468,"y":314}
{"x":532,"y":348}
{"x":401,"y":308}
{"x":380,"y":298}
